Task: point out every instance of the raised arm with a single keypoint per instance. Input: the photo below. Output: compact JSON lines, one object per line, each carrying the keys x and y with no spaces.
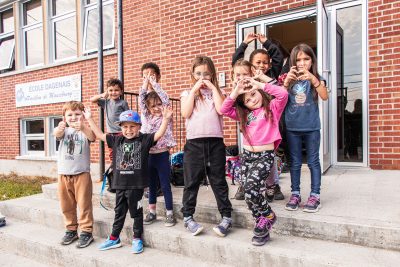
{"x":95,"y":98}
{"x":160,"y":92}
{"x":239,"y":53}
{"x":274,"y":53}
{"x":218,"y":98}
{"x":58,"y":132}
{"x":187,"y":99}
{"x":96,"y":130}
{"x":167,"y":115}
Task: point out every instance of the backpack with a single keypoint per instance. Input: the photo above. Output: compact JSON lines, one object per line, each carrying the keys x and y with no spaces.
{"x":176,"y":177}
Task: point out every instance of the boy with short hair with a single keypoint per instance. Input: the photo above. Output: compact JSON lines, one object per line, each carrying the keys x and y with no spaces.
{"x":113,"y":106}
{"x":130,"y":172}
{"x":75,"y":183}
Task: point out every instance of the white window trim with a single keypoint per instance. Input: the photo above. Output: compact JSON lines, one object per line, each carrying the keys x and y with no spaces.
{"x":86,"y":9}
{"x":52,"y":41}
{"x":24,"y":138}
{"x":52,"y":149}
{"x":25,"y":29}
{"x":7,"y":35}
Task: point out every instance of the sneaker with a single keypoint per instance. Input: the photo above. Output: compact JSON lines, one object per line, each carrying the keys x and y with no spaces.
{"x":150,"y":218}
{"x":264,"y":224}
{"x":69,"y":237}
{"x":109,"y":244}
{"x":269,"y":194}
{"x":2,"y":220}
{"x":170,"y":220}
{"x":194,"y":227}
{"x":84,"y":240}
{"x":239,"y":193}
{"x":278,"y":193}
{"x":293,"y":203}
{"x":137,"y":246}
{"x":313,"y":204}
{"x":259,"y":241}
{"x":223,"y":227}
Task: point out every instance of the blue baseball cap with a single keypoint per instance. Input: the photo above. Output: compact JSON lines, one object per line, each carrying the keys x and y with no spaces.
{"x":129,"y":116}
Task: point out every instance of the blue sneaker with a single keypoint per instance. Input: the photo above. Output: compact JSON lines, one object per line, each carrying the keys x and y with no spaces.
{"x":137,"y":246}
{"x":193,"y":226}
{"x":223,"y":227}
{"x":109,"y":244}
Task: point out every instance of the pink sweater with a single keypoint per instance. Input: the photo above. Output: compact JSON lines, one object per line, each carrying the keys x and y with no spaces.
{"x":261,"y":130}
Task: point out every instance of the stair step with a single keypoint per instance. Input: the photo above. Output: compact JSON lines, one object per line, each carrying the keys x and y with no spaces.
{"x":323,"y":225}
{"x":41,"y":243}
{"x":235,"y":249}
{"x":11,"y":259}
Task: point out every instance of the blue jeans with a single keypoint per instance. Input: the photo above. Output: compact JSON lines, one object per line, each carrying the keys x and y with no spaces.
{"x":312,"y":141}
{"x":159,"y":168}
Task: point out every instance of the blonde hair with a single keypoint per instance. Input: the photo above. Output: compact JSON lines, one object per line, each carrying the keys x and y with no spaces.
{"x":241,"y":63}
{"x":72,"y":105}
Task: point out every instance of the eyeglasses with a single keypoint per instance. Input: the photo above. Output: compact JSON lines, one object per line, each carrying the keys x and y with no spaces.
{"x":204,"y":75}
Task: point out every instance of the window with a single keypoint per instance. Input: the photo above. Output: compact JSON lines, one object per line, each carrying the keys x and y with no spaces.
{"x":253,"y":45}
{"x":7,"y":41}
{"x":53,"y":142}
{"x":32,"y":32}
{"x":63,"y":29}
{"x":90,"y":27}
{"x":33,"y":137}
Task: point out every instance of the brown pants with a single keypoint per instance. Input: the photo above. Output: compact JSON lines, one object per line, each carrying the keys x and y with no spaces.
{"x":73,"y":190}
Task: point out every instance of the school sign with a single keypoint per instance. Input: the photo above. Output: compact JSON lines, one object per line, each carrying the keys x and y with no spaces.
{"x":56,"y":90}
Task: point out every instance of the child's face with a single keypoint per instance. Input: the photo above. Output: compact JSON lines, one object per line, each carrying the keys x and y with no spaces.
{"x":241,"y":72}
{"x":202,"y":71}
{"x":155,"y":107}
{"x":114,"y":92}
{"x":72,"y":116}
{"x":303,"y":61}
{"x":253,"y":100}
{"x":261,"y":62}
{"x":130,"y":129}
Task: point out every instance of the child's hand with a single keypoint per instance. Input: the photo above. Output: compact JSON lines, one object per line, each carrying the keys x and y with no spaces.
{"x":290,"y":77}
{"x":198,"y":85}
{"x":243,"y":86}
{"x":209,"y":85}
{"x":262,"y":38}
{"x":255,"y":85}
{"x":104,"y":95}
{"x":87,"y":113}
{"x":152,"y":79}
{"x":304,"y":74}
{"x":145,"y":81}
{"x":167,"y":112}
{"x":250,"y":37}
{"x":61,"y":125}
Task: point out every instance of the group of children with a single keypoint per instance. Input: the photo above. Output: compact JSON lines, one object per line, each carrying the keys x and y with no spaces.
{"x":140,"y":144}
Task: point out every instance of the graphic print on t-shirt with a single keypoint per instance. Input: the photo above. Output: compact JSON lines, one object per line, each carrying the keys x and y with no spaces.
{"x":300,"y":91}
{"x":73,"y":143}
{"x":128,"y":157}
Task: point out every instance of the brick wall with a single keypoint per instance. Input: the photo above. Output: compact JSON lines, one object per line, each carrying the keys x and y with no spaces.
{"x":384,"y":83}
{"x":172,"y":33}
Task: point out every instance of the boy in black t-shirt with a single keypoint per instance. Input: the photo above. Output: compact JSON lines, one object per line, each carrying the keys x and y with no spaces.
{"x":131,"y":151}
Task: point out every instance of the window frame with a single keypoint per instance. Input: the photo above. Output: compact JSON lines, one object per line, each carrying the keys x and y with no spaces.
{"x":8,"y":35}
{"x":85,"y":9}
{"x":26,"y":28}
{"x":52,"y":20}
{"x":24,"y":137}
{"x":52,"y":140}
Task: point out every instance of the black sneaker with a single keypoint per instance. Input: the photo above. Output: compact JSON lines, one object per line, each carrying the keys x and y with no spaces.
{"x":69,"y":237}
{"x":269,"y":194}
{"x":239,"y":193}
{"x":84,"y":240}
{"x":150,"y":218}
{"x":259,"y":241}
{"x":278,"y":193}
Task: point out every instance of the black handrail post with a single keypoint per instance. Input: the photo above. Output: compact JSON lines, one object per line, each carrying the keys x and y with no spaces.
{"x":120,"y":43}
{"x":100,"y":78}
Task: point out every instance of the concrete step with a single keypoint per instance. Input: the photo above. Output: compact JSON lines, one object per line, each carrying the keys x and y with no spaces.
{"x":8,"y":259}
{"x":234,"y":250}
{"x":327,"y":224}
{"x":41,"y":243}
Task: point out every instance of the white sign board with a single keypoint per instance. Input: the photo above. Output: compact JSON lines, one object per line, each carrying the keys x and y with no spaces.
{"x":56,"y":90}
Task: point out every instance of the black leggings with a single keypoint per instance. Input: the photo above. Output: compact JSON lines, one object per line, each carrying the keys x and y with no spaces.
{"x":256,"y":167}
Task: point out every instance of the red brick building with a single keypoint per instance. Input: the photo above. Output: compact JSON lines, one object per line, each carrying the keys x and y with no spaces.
{"x":357,"y":45}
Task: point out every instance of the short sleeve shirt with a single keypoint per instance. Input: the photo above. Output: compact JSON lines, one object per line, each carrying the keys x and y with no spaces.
{"x":113,"y":108}
{"x":130,"y":160}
